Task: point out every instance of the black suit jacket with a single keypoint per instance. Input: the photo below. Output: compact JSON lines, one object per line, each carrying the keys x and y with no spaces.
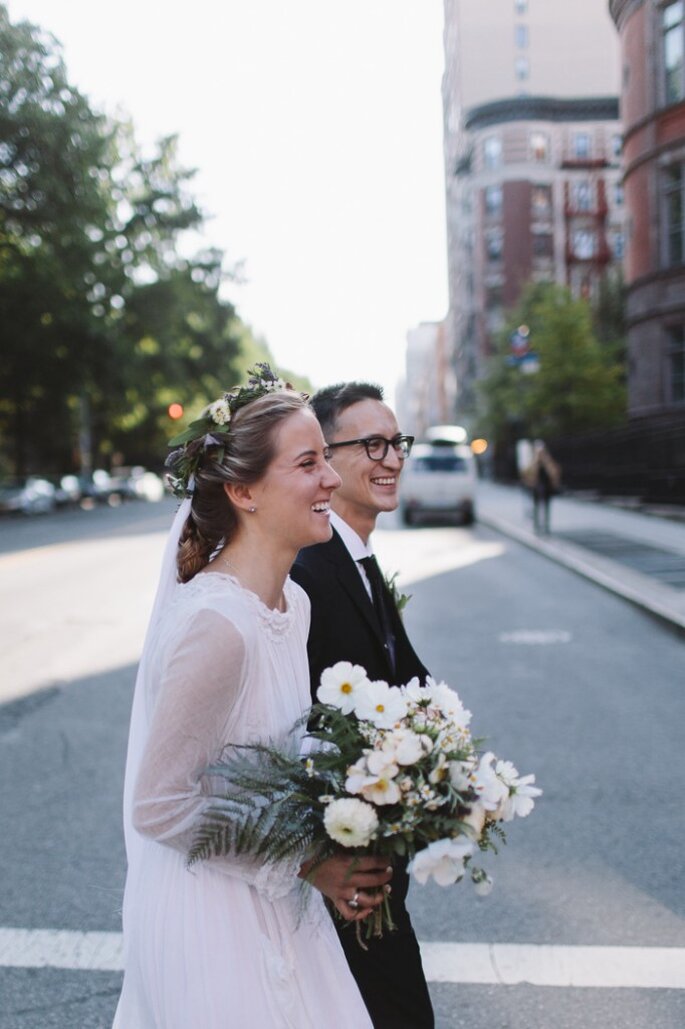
{"x":345,"y":627}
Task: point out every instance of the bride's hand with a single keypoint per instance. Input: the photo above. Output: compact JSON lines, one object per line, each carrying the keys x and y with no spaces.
{"x":355,"y":885}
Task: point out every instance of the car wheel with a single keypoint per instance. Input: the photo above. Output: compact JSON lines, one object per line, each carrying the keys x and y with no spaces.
{"x":468,"y":515}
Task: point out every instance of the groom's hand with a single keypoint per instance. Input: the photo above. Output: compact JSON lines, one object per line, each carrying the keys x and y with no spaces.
{"x":344,"y":879}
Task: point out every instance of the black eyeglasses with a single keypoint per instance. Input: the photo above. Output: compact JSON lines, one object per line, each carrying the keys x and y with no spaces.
{"x":377,"y":446}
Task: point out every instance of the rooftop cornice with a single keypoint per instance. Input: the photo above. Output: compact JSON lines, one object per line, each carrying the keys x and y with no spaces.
{"x":543,"y":108}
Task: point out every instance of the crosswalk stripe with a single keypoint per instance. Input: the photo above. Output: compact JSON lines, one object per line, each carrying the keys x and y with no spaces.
{"x":476,"y":963}
{"x":546,"y":965}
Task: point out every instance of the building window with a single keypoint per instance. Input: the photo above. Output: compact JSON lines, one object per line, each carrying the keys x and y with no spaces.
{"x":618,"y":194}
{"x":492,"y":152}
{"x":619,"y":245}
{"x":616,"y":145}
{"x":543,"y":244}
{"x":541,"y":201}
{"x":539,"y":147}
{"x":582,"y":195}
{"x":521,"y":36}
{"x":581,"y":146}
{"x":584,"y":244}
{"x":493,"y":200}
{"x":676,"y":362}
{"x":672,"y":52}
{"x":674,"y":215}
{"x":521,"y":68}
{"x":494,"y":244}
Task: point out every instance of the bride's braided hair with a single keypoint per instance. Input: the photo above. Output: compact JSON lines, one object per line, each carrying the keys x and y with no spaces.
{"x":238,"y":448}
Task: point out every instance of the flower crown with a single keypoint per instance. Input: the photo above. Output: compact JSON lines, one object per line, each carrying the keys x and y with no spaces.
{"x":212,"y":427}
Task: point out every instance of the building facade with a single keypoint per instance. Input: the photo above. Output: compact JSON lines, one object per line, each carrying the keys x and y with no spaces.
{"x":652,"y":36}
{"x":532,"y":146}
{"x":427,"y":395}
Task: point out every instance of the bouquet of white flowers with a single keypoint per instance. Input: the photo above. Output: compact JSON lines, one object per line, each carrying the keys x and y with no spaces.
{"x":395,"y":771}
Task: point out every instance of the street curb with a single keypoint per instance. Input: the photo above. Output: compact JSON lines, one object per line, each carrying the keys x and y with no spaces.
{"x":632,"y":586}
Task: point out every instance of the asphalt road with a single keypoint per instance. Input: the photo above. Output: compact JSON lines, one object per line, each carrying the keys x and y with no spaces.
{"x":564,"y":679}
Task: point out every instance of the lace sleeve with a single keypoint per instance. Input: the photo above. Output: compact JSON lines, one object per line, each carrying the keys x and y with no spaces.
{"x":197,"y":711}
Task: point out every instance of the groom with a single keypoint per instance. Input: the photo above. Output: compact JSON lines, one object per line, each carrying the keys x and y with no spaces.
{"x":354,"y":618}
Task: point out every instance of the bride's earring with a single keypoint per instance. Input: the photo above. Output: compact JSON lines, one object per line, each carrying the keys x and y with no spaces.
{"x":252,"y":509}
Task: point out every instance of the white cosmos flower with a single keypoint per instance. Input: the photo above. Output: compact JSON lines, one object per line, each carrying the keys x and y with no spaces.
{"x":340,"y":685}
{"x":415,"y":692}
{"x":444,"y":860}
{"x":520,"y":800}
{"x":449,"y":703}
{"x":406,"y":747}
{"x":350,"y":822}
{"x":489,"y":787}
{"x":357,"y":775}
{"x":381,"y":789}
{"x":374,"y":778}
{"x":220,"y":412}
{"x":380,"y":704}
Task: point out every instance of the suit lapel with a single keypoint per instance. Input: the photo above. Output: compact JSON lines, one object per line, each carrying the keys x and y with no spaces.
{"x":351,"y":581}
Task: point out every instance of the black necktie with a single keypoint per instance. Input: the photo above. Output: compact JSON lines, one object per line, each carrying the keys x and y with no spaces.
{"x":381,"y":602}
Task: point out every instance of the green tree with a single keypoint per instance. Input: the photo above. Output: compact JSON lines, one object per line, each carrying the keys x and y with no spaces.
{"x":54,"y":159}
{"x":576,"y":385}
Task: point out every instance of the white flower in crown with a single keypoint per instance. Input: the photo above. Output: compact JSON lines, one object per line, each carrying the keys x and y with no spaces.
{"x":521,"y":792}
{"x":340,"y":685}
{"x":220,"y":412}
{"x":449,"y":703}
{"x":444,"y":860}
{"x":350,"y":822}
{"x":380,"y":704}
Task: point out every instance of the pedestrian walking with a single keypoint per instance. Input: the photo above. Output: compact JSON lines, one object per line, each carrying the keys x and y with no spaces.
{"x":543,"y":479}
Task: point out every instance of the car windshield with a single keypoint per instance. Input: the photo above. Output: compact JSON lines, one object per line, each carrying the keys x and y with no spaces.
{"x":440,"y":463}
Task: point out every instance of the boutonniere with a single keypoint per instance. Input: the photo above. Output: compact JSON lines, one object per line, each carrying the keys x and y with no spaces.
{"x":400,"y":599}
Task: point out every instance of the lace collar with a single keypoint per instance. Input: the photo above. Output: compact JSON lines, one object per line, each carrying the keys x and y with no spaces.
{"x":277,"y":624}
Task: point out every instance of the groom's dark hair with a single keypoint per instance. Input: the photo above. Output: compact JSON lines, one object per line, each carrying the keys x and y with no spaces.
{"x":331,"y":401}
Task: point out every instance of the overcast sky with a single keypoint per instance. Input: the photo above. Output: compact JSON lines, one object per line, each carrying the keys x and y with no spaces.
{"x":316,"y":129}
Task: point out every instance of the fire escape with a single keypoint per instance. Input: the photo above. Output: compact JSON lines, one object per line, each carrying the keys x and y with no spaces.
{"x":587,"y":251}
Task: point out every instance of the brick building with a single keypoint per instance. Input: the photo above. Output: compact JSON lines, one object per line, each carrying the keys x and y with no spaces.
{"x":652,"y":37}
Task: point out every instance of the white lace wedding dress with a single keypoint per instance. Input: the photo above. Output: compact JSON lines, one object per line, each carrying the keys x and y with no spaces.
{"x":224,"y":945}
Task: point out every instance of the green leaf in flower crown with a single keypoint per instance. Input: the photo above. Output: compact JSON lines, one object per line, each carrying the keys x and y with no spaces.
{"x":192,"y":432}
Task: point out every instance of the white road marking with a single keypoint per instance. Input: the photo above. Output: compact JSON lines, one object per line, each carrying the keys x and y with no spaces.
{"x":660,"y":968}
{"x":536,"y":637}
{"x":480,"y":963}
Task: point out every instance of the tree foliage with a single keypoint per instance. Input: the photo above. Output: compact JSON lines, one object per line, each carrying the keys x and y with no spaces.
{"x":102,"y":316}
{"x":579,"y":381}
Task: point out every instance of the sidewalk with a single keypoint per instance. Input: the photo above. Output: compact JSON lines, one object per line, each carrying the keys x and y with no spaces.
{"x":640,"y":557}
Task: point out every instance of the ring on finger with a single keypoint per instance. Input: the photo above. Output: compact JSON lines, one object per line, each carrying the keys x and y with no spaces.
{"x":354,"y":903}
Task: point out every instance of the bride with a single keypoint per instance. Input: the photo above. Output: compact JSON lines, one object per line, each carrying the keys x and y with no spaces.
{"x":226,"y":943}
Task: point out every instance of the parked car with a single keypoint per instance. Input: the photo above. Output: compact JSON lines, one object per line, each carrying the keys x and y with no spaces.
{"x":28,"y":495}
{"x":439,"y":481}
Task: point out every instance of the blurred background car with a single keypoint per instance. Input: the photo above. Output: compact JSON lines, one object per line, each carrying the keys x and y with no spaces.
{"x":29,"y":495}
{"x":439,"y":481}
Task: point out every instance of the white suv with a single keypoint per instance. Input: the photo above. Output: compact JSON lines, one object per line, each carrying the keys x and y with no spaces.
{"x":438,"y":480}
